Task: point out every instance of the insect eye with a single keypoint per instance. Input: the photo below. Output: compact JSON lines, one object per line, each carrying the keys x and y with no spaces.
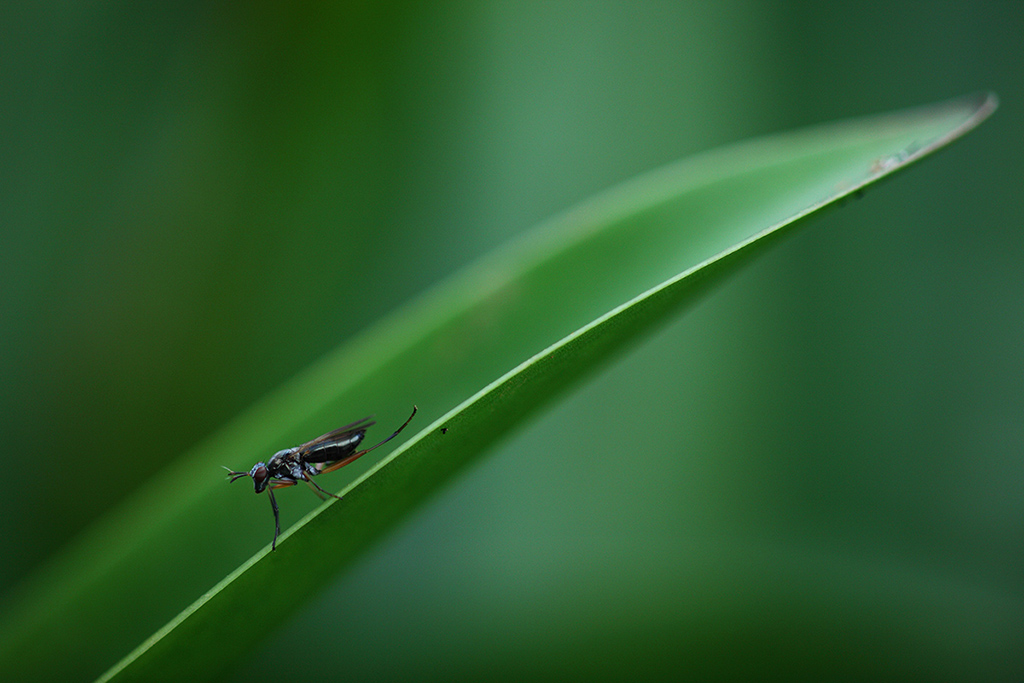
{"x":259,"y":475}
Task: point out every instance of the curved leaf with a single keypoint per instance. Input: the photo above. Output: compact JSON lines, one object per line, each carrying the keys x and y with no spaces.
{"x":565,"y":298}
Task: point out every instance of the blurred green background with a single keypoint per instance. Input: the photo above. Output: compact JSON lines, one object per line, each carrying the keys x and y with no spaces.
{"x":819,"y":472}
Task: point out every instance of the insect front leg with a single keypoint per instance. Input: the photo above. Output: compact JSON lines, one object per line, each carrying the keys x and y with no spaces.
{"x":277,"y":518}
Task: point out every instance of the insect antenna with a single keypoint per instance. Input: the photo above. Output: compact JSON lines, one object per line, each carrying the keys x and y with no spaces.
{"x":233,"y":475}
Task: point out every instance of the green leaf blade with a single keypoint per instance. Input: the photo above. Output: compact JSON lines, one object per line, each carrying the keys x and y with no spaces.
{"x":566,"y":298}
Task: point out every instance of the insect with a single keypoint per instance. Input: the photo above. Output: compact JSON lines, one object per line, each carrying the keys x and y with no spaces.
{"x":323,"y":454}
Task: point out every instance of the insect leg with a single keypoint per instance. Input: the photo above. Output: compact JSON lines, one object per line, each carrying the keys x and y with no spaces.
{"x":313,"y":489}
{"x":341,"y":463}
{"x":277,"y":518}
{"x":316,"y":488}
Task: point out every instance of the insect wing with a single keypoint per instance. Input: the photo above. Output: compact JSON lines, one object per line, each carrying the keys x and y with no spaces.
{"x":335,"y":445}
{"x":358,"y":425}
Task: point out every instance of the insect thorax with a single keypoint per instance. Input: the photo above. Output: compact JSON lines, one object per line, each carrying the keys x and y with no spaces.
{"x":283,"y":462}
